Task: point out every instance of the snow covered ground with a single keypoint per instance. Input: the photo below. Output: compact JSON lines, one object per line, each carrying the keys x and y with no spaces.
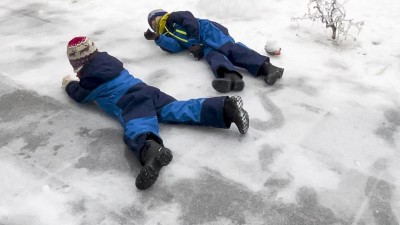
{"x":323,"y":146}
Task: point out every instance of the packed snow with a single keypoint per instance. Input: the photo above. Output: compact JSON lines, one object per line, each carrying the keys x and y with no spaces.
{"x":323,"y":145}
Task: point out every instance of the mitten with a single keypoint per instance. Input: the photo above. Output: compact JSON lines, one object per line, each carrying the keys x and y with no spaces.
{"x":196,"y":51}
{"x":67,"y":79}
{"x":150,"y":35}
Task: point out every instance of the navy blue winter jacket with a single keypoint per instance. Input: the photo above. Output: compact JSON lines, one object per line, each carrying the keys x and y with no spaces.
{"x":104,"y":80}
{"x":183,"y":30}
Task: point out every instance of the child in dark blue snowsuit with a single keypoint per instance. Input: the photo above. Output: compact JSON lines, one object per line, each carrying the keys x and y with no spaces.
{"x":177,"y":31}
{"x":139,"y":107}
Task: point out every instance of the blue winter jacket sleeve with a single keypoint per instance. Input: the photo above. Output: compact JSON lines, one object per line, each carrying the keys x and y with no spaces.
{"x":168,"y":44}
{"x":76,"y":92}
{"x":188,"y":22}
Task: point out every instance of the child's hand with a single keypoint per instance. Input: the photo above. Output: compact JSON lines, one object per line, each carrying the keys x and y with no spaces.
{"x":68,"y":79}
{"x":196,"y":51}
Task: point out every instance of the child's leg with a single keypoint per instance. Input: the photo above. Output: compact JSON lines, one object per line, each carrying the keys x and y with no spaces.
{"x":243,"y":57}
{"x":227,"y":77}
{"x":140,"y":117}
{"x":219,"y":63}
{"x":218,"y":112}
{"x":202,"y":111}
{"x":142,"y":133}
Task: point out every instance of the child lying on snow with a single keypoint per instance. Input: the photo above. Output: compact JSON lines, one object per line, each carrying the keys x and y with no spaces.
{"x":177,"y":31}
{"x":139,"y":107}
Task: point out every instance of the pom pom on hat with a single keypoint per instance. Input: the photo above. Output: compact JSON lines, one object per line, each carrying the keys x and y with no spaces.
{"x":79,"y":52}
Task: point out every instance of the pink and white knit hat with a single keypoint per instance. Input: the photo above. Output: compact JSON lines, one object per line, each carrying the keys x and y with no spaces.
{"x":79,"y":51}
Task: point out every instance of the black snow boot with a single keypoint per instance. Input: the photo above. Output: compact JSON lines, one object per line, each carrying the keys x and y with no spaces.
{"x":271,"y":73}
{"x":237,"y":82}
{"x":234,"y":113}
{"x":154,"y":157}
{"x":231,"y":81}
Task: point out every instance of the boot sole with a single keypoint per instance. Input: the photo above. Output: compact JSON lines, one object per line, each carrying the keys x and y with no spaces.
{"x":242,"y":121}
{"x":237,"y":86}
{"x":244,"y":126}
{"x":225,"y":85}
{"x":148,"y":174}
{"x":222,"y":85}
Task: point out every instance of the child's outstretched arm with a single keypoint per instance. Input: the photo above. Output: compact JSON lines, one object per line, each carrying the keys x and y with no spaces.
{"x":73,"y":89}
{"x":168,"y":44}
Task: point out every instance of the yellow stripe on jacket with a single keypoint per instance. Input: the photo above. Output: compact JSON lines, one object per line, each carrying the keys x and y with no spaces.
{"x":162,"y":28}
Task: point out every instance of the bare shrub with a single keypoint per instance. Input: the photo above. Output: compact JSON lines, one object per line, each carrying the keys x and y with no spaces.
{"x":333,"y":15}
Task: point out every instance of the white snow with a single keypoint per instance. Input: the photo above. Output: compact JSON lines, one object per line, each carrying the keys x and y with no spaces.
{"x":324,"y":118}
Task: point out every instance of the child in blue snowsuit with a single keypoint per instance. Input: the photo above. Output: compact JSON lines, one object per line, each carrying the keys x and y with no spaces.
{"x":176,"y":31}
{"x":139,"y":107}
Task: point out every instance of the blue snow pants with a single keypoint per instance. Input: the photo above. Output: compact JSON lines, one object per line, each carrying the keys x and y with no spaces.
{"x":139,"y":107}
{"x":223,"y":53}
{"x":144,"y":106}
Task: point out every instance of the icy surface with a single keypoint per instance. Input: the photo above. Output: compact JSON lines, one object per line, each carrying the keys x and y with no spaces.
{"x":323,"y":146}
